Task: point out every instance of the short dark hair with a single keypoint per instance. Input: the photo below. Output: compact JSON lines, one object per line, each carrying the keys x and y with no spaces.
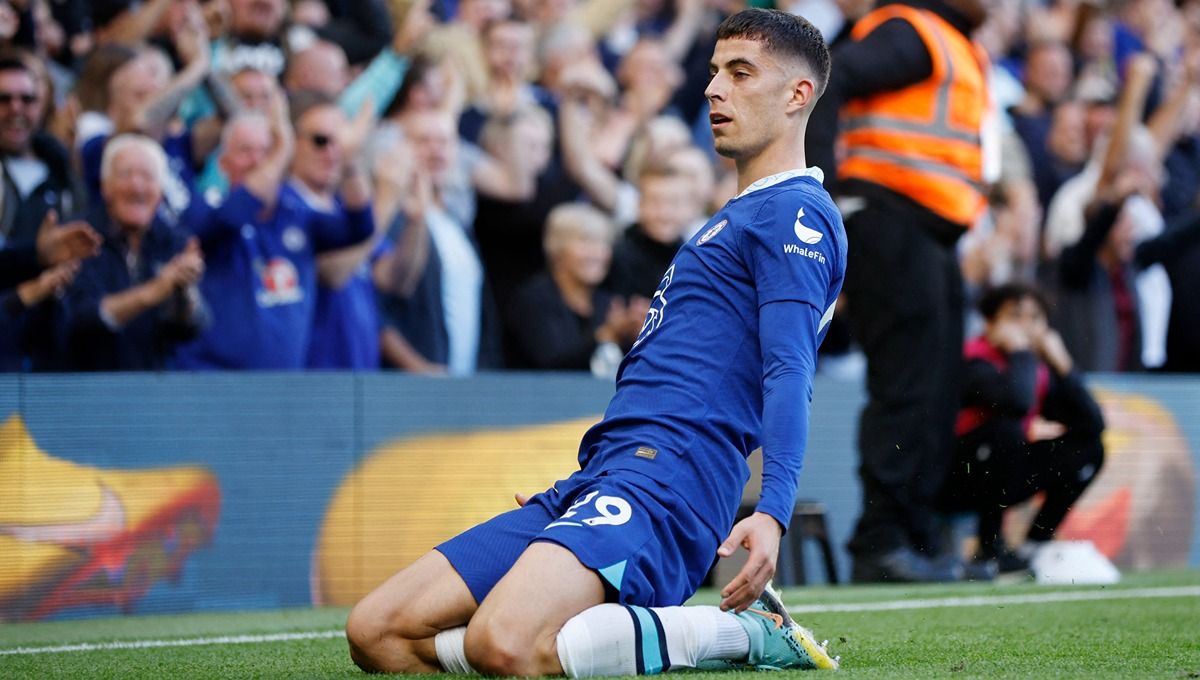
{"x":993,"y":299}
{"x":782,"y":33}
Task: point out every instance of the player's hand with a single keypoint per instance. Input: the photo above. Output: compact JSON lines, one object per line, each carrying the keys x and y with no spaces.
{"x":759,"y":533}
{"x":521,"y":499}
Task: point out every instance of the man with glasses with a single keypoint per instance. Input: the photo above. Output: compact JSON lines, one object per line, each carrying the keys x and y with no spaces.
{"x":37,"y":179}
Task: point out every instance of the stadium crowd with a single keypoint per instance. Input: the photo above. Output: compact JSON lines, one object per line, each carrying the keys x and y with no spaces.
{"x":463,"y":185}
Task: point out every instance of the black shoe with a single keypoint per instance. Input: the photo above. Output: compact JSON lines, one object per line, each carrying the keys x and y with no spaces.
{"x":902,"y":565}
{"x":1010,"y":562}
{"x":980,"y":569}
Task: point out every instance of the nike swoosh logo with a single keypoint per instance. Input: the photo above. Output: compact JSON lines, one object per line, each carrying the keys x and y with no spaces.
{"x":806,"y":235}
{"x":108,"y":522}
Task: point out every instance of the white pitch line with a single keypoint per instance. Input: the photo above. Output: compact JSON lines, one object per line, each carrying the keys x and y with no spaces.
{"x":996,"y":600}
{"x":187,"y":642}
{"x":892,"y":605}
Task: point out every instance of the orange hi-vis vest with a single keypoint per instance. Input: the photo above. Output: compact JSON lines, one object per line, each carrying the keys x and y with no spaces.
{"x":923,"y":141}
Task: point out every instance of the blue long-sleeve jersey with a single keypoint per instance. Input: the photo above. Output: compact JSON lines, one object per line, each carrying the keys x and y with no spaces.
{"x":261,"y":279}
{"x":725,"y":359}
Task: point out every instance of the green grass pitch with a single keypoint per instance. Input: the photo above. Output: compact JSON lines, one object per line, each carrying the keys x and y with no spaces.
{"x":1146,"y":627}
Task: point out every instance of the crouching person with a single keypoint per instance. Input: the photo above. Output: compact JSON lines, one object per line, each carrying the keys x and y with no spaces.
{"x":1027,"y":425}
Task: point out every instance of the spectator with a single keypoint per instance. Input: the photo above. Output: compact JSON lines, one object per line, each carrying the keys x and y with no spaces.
{"x":25,"y":285}
{"x":134,"y":302}
{"x":346,"y":323}
{"x":562,"y":319}
{"x":261,"y":244}
{"x":37,"y":170}
{"x":320,"y":67}
{"x":53,"y":246}
{"x":1027,"y":425}
{"x":695,"y":165}
{"x":437,"y":313}
{"x":254,"y":38}
{"x":508,"y":55}
{"x":36,"y":180}
{"x":1047,"y":81}
{"x":911,"y":185}
{"x":359,"y":27}
{"x":144,"y":97}
{"x":510,"y":232}
{"x":646,"y":249}
{"x":1128,"y":176}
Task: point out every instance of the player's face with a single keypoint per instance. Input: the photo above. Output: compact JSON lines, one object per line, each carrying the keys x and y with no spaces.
{"x":748,"y":97}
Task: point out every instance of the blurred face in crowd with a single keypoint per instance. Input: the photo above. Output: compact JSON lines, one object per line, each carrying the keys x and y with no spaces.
{"x":318,"y":159}
{"x":137,"y":82}
{"x":534,"y":137}
{"x":565,"y":45}
{"x":320,"y":68}
{"x":18,"y":110}
{"x":583,"y":255}
{"x":133,"y":188}
{"x":1098,"y":120}
{"x":247,"y":142}
{"x":1096,"y":39}
{"x":664,"y":206}
{"x":1024,"y":313}
{"x":255,"y":20}
{"x":1018,"y":219}
{"x":1067,"y":140}
{"x":693,"y":164}
{"x":647,"y":66}
{"x":434,"y":140}
{"x":1048,"y":71}
{"x":430,"y":90}
{"x":508,"y":49}
{"x":254,"y":89}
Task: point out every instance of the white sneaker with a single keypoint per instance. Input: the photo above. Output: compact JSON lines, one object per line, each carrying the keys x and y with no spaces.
{"x":1072,"y":563}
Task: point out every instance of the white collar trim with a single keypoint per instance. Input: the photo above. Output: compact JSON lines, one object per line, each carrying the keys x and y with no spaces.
{"x":771,"y":180}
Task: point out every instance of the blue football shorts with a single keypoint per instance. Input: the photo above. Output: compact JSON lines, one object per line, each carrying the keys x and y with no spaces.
{"x":647,"y":545}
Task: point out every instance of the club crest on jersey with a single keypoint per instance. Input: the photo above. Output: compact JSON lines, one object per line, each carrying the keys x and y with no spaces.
{"x":713,"y":231}
{"x":805,"y":234}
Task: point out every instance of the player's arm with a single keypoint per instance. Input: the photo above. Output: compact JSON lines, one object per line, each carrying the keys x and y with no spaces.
{"x":794,"y":284}
{"x":787,"y":336}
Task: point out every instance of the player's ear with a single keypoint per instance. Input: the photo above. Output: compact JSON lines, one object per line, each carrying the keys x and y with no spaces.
{"x":803,"y":91}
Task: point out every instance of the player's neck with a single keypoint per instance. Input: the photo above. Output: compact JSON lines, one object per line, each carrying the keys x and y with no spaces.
{"x":773,"y":160}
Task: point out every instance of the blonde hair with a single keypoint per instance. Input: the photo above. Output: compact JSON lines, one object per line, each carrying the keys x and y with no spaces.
{"x":573,"y":219}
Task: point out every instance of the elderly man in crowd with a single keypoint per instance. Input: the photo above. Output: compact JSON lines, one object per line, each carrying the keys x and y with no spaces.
{"x":135,"y":301}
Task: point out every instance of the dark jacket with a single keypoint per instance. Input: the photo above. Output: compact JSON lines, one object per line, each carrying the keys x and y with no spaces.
{"x":638,"y":264}
{"x":545,"y":333}
{"x":33,"y":343}
{"x":145,"y":342}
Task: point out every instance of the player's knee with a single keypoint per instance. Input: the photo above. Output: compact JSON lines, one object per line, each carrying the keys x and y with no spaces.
{"x":495,"y":649}
{"x":374,"y":646}
{"x":364,"y":633}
